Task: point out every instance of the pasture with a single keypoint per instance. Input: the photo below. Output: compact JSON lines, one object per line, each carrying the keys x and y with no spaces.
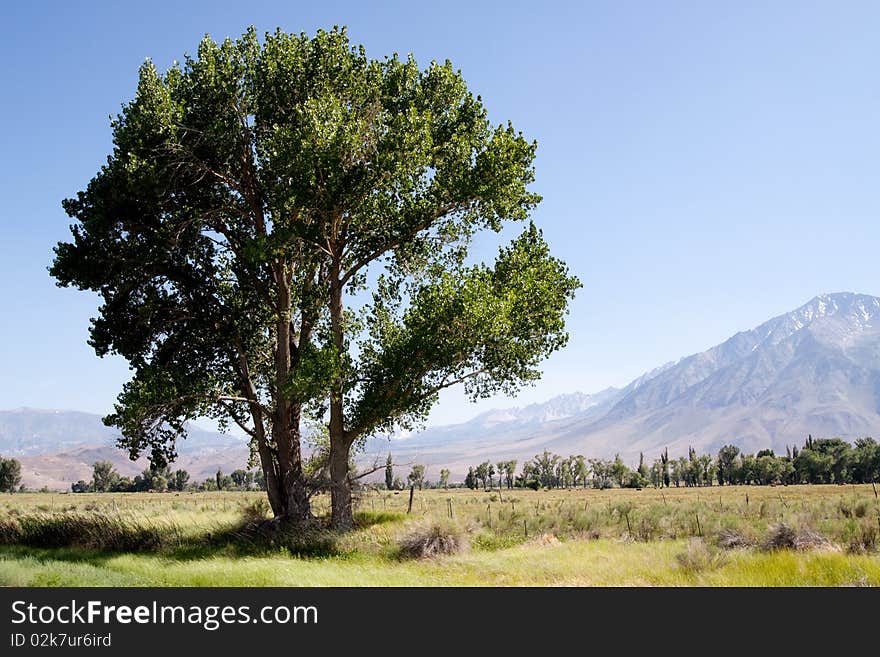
{"x":714,"y":536}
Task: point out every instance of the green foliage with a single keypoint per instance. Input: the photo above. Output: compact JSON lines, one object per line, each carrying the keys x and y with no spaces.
{"x":178,"y":480}
{"x":104,"y":477}
{"x":389,"y":473}
{"x":242,"y":479}
{"x":80,"y":486}
{"x":471,"y":479}
{"x":94,"y":531}
{"x":726,"y":459}
{"x":10,"y":475}
{"x":416,"y":476}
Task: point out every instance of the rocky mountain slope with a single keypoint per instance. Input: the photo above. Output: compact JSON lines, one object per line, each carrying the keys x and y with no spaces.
{"x":813,"y":370}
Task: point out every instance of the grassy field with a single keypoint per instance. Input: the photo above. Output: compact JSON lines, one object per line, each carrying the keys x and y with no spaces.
{"x":740,"y":536}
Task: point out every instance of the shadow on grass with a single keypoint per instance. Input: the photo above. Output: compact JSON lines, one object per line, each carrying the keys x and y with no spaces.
{"x":95,"y":538}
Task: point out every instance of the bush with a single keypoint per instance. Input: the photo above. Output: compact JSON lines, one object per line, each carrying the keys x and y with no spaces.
{"x":729,"y":539}
{"x":431,"y":541}
{"x":864,"y":538}
{"x":785,"y":537}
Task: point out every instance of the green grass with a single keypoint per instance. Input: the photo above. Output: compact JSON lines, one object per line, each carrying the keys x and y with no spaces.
{"x":574,"y":563}
{"x":521,"y":538}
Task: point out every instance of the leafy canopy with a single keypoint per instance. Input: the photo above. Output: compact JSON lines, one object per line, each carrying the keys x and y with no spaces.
{"x":248,"y":181}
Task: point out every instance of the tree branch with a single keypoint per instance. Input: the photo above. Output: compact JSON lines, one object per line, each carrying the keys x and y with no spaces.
{"x":415,"y":230}
{"x":231,"y":411}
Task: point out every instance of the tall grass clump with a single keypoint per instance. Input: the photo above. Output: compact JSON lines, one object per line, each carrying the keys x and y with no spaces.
{"x":93,"y":531}
{"x":699,"y":557}
{"x":861,"y":537}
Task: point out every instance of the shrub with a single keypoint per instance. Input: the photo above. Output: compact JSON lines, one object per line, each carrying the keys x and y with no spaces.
{"x":783,"y":536}
{"x":646,"y":528}
{"x":431,"y":541}
{"x":729,"y":539}
{"x":780,"y":537}
{"x":864,"y":538}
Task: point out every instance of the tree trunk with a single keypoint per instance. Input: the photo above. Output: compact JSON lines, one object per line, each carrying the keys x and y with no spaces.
{"x":341,"y":515}
{"x":294,"y":499}
{"x":270,"y":476}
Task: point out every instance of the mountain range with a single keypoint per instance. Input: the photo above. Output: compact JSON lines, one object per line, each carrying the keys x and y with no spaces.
{"x":815,"y":370}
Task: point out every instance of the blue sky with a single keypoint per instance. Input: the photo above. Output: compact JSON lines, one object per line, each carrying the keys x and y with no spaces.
{"x":704,"y":166}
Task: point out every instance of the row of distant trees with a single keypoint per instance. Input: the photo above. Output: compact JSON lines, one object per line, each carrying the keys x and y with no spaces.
{"x":484,"y":474}
{"x":818,"y":461}
{"x":549,"y":470}
{"x":105,"y":479}
{"x":415,"y":479}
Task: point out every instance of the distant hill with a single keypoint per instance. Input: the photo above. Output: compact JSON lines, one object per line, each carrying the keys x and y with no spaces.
{"x":57,"y":448}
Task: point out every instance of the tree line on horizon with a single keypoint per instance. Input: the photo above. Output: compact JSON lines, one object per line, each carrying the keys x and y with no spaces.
{"x":105,"y":479}
{"x":818,"y":461}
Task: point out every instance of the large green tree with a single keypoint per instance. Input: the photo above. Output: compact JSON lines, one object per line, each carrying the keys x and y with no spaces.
{"x":282,"y":232}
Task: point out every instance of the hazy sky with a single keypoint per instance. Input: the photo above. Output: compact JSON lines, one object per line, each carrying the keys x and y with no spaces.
{"x":704,"y":165}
